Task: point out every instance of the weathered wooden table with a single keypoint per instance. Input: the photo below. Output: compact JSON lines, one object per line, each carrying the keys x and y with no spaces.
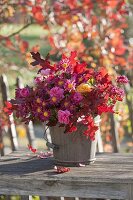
{"x":111,"y":176}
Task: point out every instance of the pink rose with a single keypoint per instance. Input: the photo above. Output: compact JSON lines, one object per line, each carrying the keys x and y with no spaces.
{"x":63,"y":116}
{"x":24,"y":92}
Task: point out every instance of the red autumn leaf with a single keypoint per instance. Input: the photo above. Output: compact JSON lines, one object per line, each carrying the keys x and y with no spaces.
{"x":120,"y":50}
{"x":36,"y":9}
{"x":112,"y":3}
{"x":39,"y":1}
{"x":29,"y":3}
{"x":72,"y":129}
{"x":8,"y":108}
{"x":8,"y":104}
{"x":104,"y":109}
{"x":32,"y":149}
{"x":51,"y":41}
{"x":64,"y":56}
{"x":103,"y":71}
{"x":39,"y":17}
{"x":71,"y":4}
{"x":38,"y":60}
{"x":9,"y":43}
{"x":37,"y":14}
{"x":24,"y":46}
{"x":120,"y":61}
{"x":60,"y":169}
{"x":94,"y":20}
{"x":79,"y":68}
{"x":44,"y":63}
{"x":35,"y":48}
{"x":73,"y":56}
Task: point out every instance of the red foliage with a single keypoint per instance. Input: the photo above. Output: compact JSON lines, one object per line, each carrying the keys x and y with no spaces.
{"x":60,"y":169}
{"x":8,"y":108}
{"x":24,"y":46}
{"x":33,"y":150}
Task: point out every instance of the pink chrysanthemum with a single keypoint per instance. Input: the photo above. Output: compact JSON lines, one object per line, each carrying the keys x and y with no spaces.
{"x":70,"y":85}
{"x":77,"y":97}
{"x":57,"y":92}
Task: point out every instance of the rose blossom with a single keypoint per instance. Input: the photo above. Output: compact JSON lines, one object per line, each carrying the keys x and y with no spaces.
{"x":63,"y":116}
{"x":24,"y":92}
{"x":38,"y":80}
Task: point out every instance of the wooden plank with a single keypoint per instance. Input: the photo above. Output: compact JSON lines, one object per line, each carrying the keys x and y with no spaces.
{"x":26,"y":197}
{"x":5,"y":97}
{"x":111,"y":176}
{"x":5,"y":197}
{"x":50,"y":198}
{"x":43,"y":198}
{"x":130,"y":192}
{"x":117,"y":167}
{"x":65,"y":188}
{"x":68,"y":198}
{"x":89,"y":199}
{"x":29,"y":128}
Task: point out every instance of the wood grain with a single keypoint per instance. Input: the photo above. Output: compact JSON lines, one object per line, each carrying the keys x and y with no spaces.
{"x":72,"y":148}
{"x":130,"y":192}
{"x":111,"y":176}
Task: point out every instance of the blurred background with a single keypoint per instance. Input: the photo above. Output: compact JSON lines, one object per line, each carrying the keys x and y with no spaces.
{"x":101,"y":33}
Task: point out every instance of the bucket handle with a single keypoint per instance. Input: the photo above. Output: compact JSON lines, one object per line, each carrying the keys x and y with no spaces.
{"x":49,"y":144}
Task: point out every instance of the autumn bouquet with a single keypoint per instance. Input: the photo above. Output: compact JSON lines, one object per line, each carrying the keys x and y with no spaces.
{"x":66,"y":94}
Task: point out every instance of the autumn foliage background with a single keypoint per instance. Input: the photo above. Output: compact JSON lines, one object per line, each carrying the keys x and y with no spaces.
{"x":100,"y":32}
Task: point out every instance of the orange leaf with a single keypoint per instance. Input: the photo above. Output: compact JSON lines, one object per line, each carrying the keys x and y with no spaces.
{"x":24,"y":46}
{"x":39,"y":17}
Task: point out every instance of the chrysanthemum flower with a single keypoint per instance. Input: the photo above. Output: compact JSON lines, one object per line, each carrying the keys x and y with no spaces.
{"x":57,"y":92}
{"x":70,"y":85}
{"x":45,"y":115}
{"x":77,"y":97}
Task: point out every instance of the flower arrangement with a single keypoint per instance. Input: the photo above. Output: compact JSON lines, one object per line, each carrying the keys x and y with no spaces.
{"x":66,"y":94}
